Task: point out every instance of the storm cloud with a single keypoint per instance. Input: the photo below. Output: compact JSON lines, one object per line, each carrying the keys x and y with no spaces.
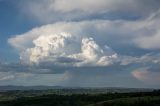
{"x":111,"y":40}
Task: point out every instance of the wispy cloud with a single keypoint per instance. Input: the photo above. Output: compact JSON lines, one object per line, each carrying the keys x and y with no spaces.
{"x":61,"y":10}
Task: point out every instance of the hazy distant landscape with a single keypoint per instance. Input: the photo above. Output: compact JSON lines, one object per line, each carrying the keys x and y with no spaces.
{"x":75,"y":96}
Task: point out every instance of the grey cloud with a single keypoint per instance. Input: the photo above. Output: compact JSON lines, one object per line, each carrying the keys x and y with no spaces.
{"x":102,"y":31}
{"x":61,"y":10}
{"x":124,"y":63}
{"x":97,"y":76}
{"x":67,"y":60}
{"x":131,"y":35}
{"x":22,"y":68}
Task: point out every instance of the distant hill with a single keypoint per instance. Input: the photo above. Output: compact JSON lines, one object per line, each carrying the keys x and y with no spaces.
{"x":10,"y":87}
{"x":76,"y":89}
{"x":50,"y":98}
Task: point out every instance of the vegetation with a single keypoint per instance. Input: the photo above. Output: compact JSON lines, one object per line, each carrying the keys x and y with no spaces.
{"x":134,"y":101}
{"x":32,"y":98}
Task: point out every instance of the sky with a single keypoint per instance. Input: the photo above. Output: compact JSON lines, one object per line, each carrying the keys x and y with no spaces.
{"x":82,"y":43}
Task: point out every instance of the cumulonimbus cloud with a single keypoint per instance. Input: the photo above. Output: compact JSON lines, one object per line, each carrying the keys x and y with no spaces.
{"x":67,"y":49}
{"x":84,"y":43}
{"x":109,"y":37}
{"x":88,"y":45}
{"x":143,"y":34}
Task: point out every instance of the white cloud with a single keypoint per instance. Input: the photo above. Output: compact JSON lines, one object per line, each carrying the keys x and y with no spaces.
{"x":66,"y":49}
{"x":94,"y":54}
{"x":48,"y":46}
